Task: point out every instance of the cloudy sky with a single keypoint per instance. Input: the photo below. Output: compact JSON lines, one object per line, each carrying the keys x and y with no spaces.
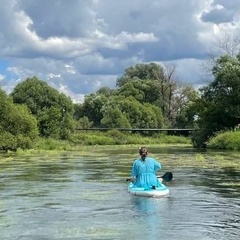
{"x":78,"y":46}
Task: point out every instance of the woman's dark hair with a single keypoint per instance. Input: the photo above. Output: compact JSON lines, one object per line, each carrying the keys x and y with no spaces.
{"x":143,"y":151}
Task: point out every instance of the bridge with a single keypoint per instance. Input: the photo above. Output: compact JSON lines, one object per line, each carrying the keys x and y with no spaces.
{"x":169,"y":131}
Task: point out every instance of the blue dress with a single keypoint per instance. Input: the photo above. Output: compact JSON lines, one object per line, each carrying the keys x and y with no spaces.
{"x":144,"y":172}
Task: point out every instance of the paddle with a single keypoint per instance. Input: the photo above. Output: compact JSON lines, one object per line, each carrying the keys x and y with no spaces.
{"x":166,"y":177}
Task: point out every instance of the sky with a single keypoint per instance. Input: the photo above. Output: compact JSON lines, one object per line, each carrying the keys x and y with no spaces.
{"x":79,"y":46}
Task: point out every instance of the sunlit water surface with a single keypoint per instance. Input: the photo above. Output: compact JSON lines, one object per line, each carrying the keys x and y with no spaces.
{"x":77,"y":196}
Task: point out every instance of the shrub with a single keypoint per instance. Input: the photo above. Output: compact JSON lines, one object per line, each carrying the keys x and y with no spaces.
{"x":226,"y":140}
{"x":87,"y":138}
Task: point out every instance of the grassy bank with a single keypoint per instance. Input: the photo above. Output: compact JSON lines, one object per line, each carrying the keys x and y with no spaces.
{"x":226,"y":140}
{"x":108,"y":138}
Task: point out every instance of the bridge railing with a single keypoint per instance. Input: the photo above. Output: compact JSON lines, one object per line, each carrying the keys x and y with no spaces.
{"x":169,"y":131}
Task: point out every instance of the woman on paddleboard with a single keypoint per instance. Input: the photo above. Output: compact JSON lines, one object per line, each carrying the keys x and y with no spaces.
{"x":143,"y":171}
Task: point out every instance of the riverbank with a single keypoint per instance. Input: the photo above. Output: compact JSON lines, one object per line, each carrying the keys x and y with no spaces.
{"x":110,"y":138}
{"x":114,"y":138}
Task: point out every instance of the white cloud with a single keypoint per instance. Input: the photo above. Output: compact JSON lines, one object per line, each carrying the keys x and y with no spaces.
{"x":2,"y":77}
{"x":79,"y":46}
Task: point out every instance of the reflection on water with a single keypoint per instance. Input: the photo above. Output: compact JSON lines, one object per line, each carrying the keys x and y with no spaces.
{"x":84,"y":197}
{"x":147,"y":212}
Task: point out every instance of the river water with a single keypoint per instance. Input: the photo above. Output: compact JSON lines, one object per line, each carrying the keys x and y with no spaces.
{"x":80,"y":196}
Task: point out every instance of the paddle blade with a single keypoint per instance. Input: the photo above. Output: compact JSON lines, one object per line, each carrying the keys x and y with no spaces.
{"x":167,"y":176}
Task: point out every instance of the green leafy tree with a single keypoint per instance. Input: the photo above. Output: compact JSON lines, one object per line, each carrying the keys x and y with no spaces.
{"x":156,"y":112}
{"x":114,"y":118}
{"x":92,"y":108}
{"x":142,"y":72}
{"x":78,"y":111}
{"x":84,"y":122}
{"x":41,"y":99}
{"x":219,"y":106}
{"x":152,"y":83}
{"x":138,"y":115}
{"x":143,"y":91}
{"x":131,"y":108}
{"x":106,"y":91}
{"x":50,"y":120}
{"x":18,"y":128}
{"x":185,"y":108}
{"x":125,"y":108}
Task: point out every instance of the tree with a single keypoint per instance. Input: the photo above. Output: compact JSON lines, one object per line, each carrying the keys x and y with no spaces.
{"x":219,"y":106}
{"x":226,"y":45}
{"x":157,"y":112}
{"x":18,"y":128}
{"x":143,"y":72}
{"x":114,"y":118}
{"x":41,"y":99}
{"x":152,"y":83}
{"x":84,"y":122}
{"x":128,"y":108}
{"x":184,"y":107}
{"x":146,"y":91}
{"x":106,"y":91}
{"x":92,"y":108}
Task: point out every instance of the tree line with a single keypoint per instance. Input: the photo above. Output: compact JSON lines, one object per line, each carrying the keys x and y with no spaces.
{"x":145,"y":96}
